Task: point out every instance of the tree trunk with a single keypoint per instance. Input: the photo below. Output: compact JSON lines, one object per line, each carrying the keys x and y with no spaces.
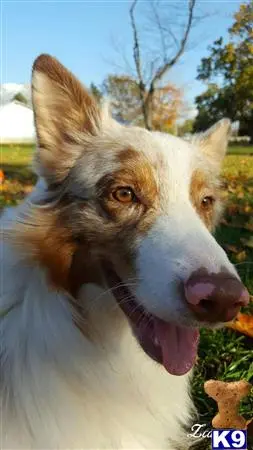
{"x":147,"y":111}
{"x":147,"y":119}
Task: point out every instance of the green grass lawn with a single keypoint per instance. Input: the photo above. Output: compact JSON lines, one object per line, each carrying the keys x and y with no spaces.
{"x":223,"y":354}
{"x":241,"y":149}
{"x":16,"y":162}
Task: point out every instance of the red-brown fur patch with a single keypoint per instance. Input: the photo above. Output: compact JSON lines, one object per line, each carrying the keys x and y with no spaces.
{"x":201,"y":186}
{"x":63,"y":110}
{"x":47,"y":242}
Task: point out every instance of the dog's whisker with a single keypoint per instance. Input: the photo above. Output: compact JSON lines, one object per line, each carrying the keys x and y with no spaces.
{"x":94,"y":302}
{"x":244,"y":263}
{"x":114,"y":288}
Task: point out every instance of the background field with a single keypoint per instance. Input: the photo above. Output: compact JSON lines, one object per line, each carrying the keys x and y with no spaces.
{"x":223,"y":354}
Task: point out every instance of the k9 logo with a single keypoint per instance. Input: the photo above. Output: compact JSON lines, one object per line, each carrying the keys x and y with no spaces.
{"x":229,"y":439}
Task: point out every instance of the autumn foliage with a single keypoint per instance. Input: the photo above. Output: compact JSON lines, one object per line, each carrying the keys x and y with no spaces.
{"x":166,"y":108}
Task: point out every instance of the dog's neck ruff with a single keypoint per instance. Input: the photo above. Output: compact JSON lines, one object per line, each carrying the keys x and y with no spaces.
{"x":61,"y":383}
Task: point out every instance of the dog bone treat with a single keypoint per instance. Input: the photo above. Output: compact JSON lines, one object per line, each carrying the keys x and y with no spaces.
{"x":228,"y":397}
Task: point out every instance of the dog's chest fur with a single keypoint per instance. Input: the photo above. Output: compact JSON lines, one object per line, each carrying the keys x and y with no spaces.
{"x":59,"y":390}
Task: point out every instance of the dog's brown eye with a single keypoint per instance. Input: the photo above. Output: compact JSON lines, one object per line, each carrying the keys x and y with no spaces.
{"x":124,"y":195}
{"x":207,"y":202}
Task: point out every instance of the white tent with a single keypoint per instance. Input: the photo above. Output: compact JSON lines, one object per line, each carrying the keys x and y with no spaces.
{"x":16,"y":123}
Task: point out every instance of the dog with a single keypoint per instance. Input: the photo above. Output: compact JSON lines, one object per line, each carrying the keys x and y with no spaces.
{"x":109,"y":269}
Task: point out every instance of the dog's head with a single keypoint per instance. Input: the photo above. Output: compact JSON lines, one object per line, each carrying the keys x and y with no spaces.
{"x":133,"y":209}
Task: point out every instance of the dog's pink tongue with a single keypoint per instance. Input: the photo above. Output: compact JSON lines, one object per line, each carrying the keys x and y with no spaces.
{"x":179,"y":346}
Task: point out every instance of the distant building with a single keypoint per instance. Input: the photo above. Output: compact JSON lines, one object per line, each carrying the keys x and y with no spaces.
{"x":16,"y":123}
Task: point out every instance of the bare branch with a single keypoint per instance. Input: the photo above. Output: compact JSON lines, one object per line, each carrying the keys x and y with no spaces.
{"x":162,"y":70}
{"x":166,"y":40}
{"x":173,"y":37}
{"x":123,"y":63}
{"x":161,"y":30}
{"x":137,"y":60}
{"x":151,"y":65}
{"x":136,"y":47}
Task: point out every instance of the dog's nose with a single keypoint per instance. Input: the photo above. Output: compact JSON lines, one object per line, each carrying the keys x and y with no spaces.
{"x":216,"y":297}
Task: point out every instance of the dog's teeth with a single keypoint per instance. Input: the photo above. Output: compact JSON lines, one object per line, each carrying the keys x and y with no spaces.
{"x":156,"y":342}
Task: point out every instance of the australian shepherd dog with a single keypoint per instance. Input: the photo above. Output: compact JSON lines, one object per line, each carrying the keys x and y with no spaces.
{"x":108,"y":269}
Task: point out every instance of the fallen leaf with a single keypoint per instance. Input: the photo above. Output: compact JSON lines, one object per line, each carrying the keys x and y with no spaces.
{"x":241,"y":256}
{"x":243,"y":323}
{"x":247,"y":209}
{"x":249,"y":224}
{"x":1,"y":176}
{"x":231,"y":248}
{"x":247,"y":242}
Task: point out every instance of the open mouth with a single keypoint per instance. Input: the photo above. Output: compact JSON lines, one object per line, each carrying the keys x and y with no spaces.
{"x":172,"y":345}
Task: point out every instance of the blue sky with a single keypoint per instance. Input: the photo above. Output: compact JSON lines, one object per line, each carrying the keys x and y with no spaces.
{"x":81,"y":33}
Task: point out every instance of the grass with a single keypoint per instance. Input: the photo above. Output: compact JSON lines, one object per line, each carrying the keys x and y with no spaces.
{"x":223,"y":354}
{"x":241,"y":150}
{"x":16,"y":162}
{"x":17,"y":168}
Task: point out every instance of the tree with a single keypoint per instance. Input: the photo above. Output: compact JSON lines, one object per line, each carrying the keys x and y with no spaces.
{"x":186,"y":127}
{"x":124,"y":96}
{"x":153,"y":62}
{"x":127,"y":106}
{"x":233,"y":64}
{"x":214,"y":104}
{"x":166,"y":105}
{"x":19,"y":97}
{"x":96,"y":92}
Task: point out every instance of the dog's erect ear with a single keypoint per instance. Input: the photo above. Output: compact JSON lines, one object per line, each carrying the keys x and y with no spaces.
{"x":213,"y":143}
{"x":64,"y":112}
